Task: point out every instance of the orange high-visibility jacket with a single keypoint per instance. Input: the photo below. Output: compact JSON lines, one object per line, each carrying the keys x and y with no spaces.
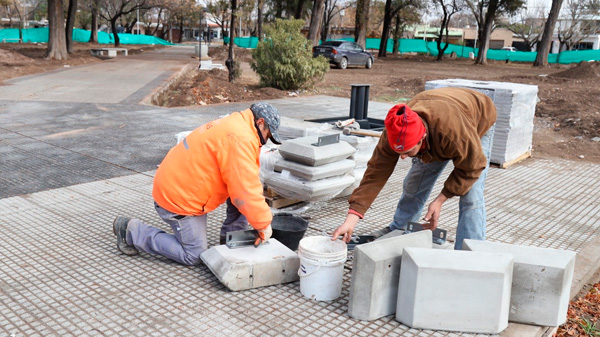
{"x":220,"y":159}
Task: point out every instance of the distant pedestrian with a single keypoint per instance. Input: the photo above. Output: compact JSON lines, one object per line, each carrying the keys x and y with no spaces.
{"x":435,"y":127}
{"x":216,"y":163}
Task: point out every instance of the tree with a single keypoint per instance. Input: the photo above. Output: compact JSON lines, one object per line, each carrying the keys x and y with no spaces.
{"x":112,"y":10}
{"x":405,"y":17}
{"x":573,"y":27}
{"x":94,"y":28}
{"x":362,"y":21}
{"x":486,"y":12}
{"x":219,"y":12}
{"x":332,"y":8}
{"x":284,"y":59}
{"x":57,"y":43}
{"x":448,"y":8}
{"x":541,"y":60}
{"x":391,"y":9}
{"x":315,"y":22}
{"x":260,"y":17}
{"x":71,"y":13}
{"x":229,"y":63}
{"x":528,"y":27}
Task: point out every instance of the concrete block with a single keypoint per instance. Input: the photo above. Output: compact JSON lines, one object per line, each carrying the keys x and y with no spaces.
{"x":301,"y":150}
{"x":296,"y":189}
{"x":454,"y":290}
{"x":541,"y":282}
{"x":375,"y":274}
{"x":312,"y":173}
{"x":248,"y":267}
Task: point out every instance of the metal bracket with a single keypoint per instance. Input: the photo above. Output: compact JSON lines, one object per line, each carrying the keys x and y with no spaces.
{"x":243,"y":238}
{"x":326,"y":140}
{"x":359,"y":240}
{"x":439,"y":235}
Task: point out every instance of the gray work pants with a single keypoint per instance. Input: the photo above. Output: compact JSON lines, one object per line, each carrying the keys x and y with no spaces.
{"x":188,"y":240}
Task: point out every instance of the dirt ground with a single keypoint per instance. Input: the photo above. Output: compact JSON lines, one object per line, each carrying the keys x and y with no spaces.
{"x":567,"y":123}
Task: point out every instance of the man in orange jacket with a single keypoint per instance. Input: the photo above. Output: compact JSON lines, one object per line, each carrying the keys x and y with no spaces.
{"x":216,"y":163}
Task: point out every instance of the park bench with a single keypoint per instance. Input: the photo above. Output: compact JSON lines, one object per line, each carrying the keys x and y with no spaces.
{"x":108,"y":52}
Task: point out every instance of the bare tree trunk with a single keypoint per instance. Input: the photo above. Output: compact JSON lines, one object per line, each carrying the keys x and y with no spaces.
{"x":181,"y":31}
{"x":21,"y":23}
{"x":261,"y":7}
{"x":490,"y":15}
{"x":71,"y":12}
{"x":541,"y":60}
{"x":397,"y":35}
{"x":362,"y":21}
{"x":385,"y":33}
{"x":315,"y":22}
{"x":94,"y":29}
{"x":113,"y":27}
{"x":158,"y":22}
{"x":57,"y":45}
{"x":299,"y":9}
{"x":230,"y":59}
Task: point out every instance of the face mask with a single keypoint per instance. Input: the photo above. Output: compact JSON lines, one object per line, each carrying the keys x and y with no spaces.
{"x":263,"y":141}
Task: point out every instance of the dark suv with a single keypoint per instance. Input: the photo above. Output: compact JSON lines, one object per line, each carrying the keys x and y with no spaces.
{"x":344,"y":54}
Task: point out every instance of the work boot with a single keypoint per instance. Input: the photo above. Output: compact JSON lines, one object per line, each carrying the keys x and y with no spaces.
{"x":120,"y":230}
{"x":381,"y":232}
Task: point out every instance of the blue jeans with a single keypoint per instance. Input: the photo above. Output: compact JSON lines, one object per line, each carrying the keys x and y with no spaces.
{"x":418,"y":184}
{"x":188,"y":240}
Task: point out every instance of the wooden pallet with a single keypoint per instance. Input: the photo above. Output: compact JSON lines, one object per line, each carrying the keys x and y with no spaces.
{"x":274,"y":200}
{"x":514,"y":161}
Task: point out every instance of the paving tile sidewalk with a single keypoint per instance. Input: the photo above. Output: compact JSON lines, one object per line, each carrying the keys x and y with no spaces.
{"x":63,"y":276}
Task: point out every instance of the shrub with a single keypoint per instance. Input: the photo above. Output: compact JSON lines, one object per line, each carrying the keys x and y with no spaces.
{"x":284,"y":58}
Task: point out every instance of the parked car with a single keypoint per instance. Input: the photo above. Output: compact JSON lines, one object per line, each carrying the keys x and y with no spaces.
{"x":509,"y":48}
{"x":344,"y":54}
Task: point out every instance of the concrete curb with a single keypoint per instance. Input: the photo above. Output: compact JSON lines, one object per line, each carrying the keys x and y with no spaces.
{"x":587,"y":263}
{"x":157,"y":98}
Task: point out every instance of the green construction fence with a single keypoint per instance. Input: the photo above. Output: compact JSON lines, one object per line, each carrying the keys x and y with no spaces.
{"x":421,"y":46}
{"x":40,"y":35}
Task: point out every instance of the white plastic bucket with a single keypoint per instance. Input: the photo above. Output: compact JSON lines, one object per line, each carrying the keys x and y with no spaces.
{"x":321,"y":267}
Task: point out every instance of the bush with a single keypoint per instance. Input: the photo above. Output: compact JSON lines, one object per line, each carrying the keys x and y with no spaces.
{"x":284,"y":59}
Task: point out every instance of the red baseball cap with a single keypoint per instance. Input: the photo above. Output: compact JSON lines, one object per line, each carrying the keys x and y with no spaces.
{"x":404,"y":128}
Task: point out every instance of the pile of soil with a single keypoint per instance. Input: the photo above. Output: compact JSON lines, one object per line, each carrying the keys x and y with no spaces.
{"x":583,"y":70}
{"x":213,"y":87}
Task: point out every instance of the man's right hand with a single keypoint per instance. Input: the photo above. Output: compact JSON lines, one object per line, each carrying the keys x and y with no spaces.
{"x":265,"y":233}
{"x":346,"y":229}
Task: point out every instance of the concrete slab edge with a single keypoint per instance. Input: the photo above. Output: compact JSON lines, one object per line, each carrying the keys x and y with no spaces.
{"x":157,"y":97}
{"x":587,"y":263}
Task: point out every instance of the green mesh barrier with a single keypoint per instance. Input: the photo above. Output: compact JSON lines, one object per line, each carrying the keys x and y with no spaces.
{"x":40,"y":35}
{"x":35,"y":35}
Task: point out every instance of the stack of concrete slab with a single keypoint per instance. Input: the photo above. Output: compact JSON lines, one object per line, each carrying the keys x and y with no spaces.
{"x":376,"y":272}
{"x":248,"y":267}
{"x":541,"y":281}
{"x":454,"y":290}
{"x":311,"y":172}
{"x":515,"y":104}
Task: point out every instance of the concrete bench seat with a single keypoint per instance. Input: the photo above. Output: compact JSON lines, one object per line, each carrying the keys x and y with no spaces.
{"x":109,"y":52}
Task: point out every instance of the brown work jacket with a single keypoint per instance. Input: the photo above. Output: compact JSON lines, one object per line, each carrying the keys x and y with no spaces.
{"x":455,"y":120}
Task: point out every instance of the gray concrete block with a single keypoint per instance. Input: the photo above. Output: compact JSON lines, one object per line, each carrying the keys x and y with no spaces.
{"x":454,"y":290}
{"x":302,"y":151}
{"x":296,"y":189}
{"x":375,"y":274}
{"x":541,"y":282}
{"x":312,"y":173}
{"x":249,"y":267}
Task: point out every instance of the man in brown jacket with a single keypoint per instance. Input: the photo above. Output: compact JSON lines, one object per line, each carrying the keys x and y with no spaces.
{"x":436,"y":126}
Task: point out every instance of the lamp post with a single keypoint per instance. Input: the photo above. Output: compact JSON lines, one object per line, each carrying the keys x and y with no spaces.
{"x":200,"y":38}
